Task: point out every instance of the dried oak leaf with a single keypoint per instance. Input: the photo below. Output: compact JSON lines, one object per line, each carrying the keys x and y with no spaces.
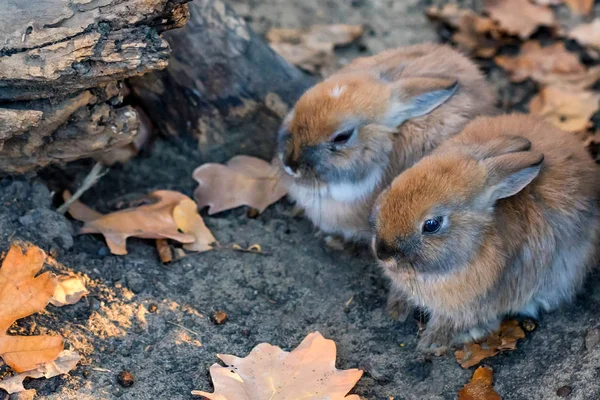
{"x":568,"y":109}
{"x":69,"y":290}
{"x":65,"y":362}
{"x":22,"y":293}
{"x":268,"y":372}
{"x":503,"y":339}
{"x":312,"y":49}
{"x":475,"y":34}
{"x":581,"y":7}
{"x":519,"y":17}
{"x":480,"y":386}
{"x":243,"y":181}
{"x":587,"y":34}
{"x":151,"y":221}
{"x":189,"y":221}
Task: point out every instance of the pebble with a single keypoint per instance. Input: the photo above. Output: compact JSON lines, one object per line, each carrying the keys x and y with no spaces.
{"x":219,"y":317}
{"x":592,"y":339}
{"x":125,"y":379}
{"x":564,"y":391}
{"x":152,"y":308}
{"x":528,"y":325}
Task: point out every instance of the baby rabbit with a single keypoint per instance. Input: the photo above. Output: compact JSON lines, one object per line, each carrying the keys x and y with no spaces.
{"x":503,"y":218}
{"x":350,"y":135}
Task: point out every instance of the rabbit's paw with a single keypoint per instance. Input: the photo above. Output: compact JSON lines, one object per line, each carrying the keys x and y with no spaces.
{"x":436,"y":340}
{"x":398,"y":305}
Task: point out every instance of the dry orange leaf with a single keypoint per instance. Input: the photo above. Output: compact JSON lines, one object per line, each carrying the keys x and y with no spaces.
{"x":189,"y":221}
{"x":151,"y":221}
{"x":69,"y":290}
{"x":581,"y":7}
{"x":570,"y":110}
{"x":519,"y":17}
{"x":480,"y":386}
{"x":22,"y":293}
{"x":65,"y":362}
{"x":312,"y":49}
{"x":243,"y":181}
{"x":307,"y":372}
{"x":501,"y":340}
{"x":587,"y":34}
{"x":164,"y":251}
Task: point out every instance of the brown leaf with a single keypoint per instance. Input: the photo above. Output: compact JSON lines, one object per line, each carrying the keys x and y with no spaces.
{"x":69,"y":290}
{"x":519,"y":17}
{"x":164,"y":251}
{"x":542,"y":64}
{"x":265,"y":373}
{"x":581,"y":7}
{"x":501,"y":340}
{"x":587,"y":34}
{"x":65,"y":362}
{"x":189,"y":221}
{"x":570,"y":110}
{"x":152,"y":221}
{"x":474,"y":34}
{"x":480,"y":386}
{"x":22,"y":293}
{"x":312,"y":49}
{"x":243,"y":181}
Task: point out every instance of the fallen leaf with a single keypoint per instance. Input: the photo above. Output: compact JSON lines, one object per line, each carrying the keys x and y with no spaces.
{"x":164,"y":251}
{"x":268,"y":372}
{"x":189,"y":221}
{"x":519,"y":17}
{"x":65,"y":362}
{"x":243,"y":181}
{"x":480,"y":386}
{"x":22,"y":293}
{"x":69,"y":290}
{"x":503,"y":339}
{"x":581,"y":7}
{"x":312,"y":49}
{"x":151,"y":221}
{"x":587,"y":34}
{"x":569,"y":110}
{"x":474,"y":34}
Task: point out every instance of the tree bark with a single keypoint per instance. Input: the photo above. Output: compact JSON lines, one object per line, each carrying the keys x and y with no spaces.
{"x":223,"y":85}
{"x":61,"y":67}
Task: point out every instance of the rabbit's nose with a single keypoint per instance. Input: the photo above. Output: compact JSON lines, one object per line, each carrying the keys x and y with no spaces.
{"x":384,"y":251}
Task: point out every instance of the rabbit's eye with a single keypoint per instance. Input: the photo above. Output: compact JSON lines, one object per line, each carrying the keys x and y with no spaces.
{"x":432,"y":225}
{"x":343,"y":137}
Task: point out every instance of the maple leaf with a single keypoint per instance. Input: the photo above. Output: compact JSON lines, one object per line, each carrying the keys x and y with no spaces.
{"x":243,"y":181}
{"x":69,"y":290}
{"x":151,"y":221}
{"x":480,"y":386}
{"x":65,"y":362}
{"x":22,"y":294}
{"x":519,"y":17}
{"x":312,"y":49}
{"x":268,"y":372}
{"x":503,"y":339}
{"x":569,"y":110}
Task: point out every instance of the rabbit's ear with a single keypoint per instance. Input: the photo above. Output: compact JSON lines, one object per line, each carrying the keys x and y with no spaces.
{"x":414,"y":97}
{"x":501,"y":145}
{"x":508,"y":174}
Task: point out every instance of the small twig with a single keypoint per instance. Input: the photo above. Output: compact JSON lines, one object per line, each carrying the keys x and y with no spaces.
{"x":98,"y":369}
{"x":90,"y":180}
{"x":183,"y":327}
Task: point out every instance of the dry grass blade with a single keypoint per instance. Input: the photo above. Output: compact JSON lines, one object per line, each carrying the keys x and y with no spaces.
{"x":269,"y":372}
{"x":480,"y":386}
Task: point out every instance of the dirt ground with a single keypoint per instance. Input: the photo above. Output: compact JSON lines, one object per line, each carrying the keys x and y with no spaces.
{"x":155,"y":321}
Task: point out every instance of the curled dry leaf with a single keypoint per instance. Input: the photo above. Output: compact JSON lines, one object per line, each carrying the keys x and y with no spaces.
{"x":312,"y":49}
{"x":243,"y":181}
{"x":151,"y":221}
{"x":480,"y":386}
{"x":519,"y":17}
{"x":269,"y":372}
{"x":570,"y":110}
{"x":474,"y":34}
{"x":501,"y":340}
{"x":587,"y":34}
{"x":22,"y":293}
{"x":65,"y":362}
{"x":189,"y":221}
{"x":69,"y":290}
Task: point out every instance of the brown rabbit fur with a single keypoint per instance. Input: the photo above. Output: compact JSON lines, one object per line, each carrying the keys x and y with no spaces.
{"x":517,"y":208}
{"x":350,"y":135}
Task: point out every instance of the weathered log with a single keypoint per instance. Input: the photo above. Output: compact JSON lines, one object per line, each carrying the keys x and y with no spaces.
{"x":61,"y":63}
{"x":223,"y":85}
